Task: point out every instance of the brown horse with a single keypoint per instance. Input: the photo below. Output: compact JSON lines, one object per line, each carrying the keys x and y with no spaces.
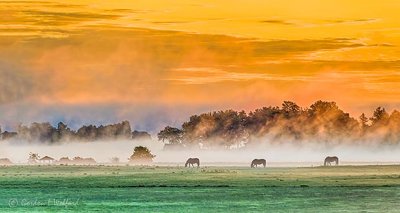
{"x":256,"y":162}
{"x":192,"y":161}
{"x":329,"y":160}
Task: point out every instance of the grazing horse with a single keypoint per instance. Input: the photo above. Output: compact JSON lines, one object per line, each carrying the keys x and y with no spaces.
{"x":256,"y":162}
{"x":329,"y":160}
{"x":192,"y":161}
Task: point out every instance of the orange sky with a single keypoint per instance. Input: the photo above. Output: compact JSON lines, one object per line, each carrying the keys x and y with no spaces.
{"x":221,"y":54}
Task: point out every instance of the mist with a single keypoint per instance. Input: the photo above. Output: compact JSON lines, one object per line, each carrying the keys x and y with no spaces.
{"x":101,"y":151}
{"x":277,"y":155}
{"x":289,"y":155}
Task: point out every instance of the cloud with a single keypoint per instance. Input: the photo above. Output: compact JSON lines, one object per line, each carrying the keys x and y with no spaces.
{"x":51,"y":19}
{"x":337,"y":22}
{"x":170,"y":22}
{"x":276,"y":21}
{"x":80,"y":63}
{"x":276,"y":47}
{"x":25,"y":2}
{"x":320,"y":23}
{"x":306,"y":71}
{"x":122,"y":65}
{"x":80,"y":16}
{"x":353,"y":21}
{"x":16,"y":83}
{"x":207,"y":75}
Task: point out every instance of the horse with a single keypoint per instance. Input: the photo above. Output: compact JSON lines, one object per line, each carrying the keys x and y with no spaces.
{"x":329,"y":160}
{"x":192,"y":161}
{"x":256,"y":162}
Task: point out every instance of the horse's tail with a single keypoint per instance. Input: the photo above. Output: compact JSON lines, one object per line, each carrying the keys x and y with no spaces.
{"x":337,"y":161}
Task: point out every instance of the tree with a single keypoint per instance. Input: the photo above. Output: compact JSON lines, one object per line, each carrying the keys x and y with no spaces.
{"x":363,"y":120}
{"x":392,"y":133}
{"x":171,"y":134}
{"x":327,"y":122}
{"x":64,"y":132}
{"x":290,"y":108}
{"x":380,"y":117}
{"x":394,"y":119}
{"x":260,"y":122}
{"x":140,"y":135}
{"x":33,"y":157}
{"x":141,"y":154}
{"x":114,"y":160}
{"x":323,"y":107}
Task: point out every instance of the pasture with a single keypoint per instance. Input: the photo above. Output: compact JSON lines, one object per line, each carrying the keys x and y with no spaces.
{"x":205,"y":189}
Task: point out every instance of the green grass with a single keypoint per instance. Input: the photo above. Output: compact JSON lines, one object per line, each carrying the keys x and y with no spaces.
{"x":208,"y":189}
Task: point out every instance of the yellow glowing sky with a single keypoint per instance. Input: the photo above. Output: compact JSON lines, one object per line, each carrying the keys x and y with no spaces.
{"x":240,"y":54}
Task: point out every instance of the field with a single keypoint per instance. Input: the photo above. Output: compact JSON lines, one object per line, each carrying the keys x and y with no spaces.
{"x":207,"y":189}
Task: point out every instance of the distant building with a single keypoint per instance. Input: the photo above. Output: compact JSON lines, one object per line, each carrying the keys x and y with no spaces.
{"x":46,"y":159}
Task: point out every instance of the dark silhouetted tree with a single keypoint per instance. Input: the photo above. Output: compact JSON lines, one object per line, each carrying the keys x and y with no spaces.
{"x":380,"y":117}
{"x":364,"y":123}
{"x":170,"y":134}
{"x":140,"y":135}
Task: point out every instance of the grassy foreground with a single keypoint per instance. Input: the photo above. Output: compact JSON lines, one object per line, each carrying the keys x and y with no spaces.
{"x":207,"y":189}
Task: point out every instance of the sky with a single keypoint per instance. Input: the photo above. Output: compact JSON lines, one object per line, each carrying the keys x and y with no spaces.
{"x":155,"y":63}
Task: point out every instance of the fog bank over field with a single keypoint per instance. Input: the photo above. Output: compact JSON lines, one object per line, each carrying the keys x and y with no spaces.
{"x":276,"y":155}
{"x":101,"y":151}
{"x":280,"y":154}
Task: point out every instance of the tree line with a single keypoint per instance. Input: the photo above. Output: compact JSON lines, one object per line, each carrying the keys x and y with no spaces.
{"x":45,"y":132}
{"x":322,"y":122}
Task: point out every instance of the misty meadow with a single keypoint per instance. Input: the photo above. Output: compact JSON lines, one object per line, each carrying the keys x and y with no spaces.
{"x":199,"y":106}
